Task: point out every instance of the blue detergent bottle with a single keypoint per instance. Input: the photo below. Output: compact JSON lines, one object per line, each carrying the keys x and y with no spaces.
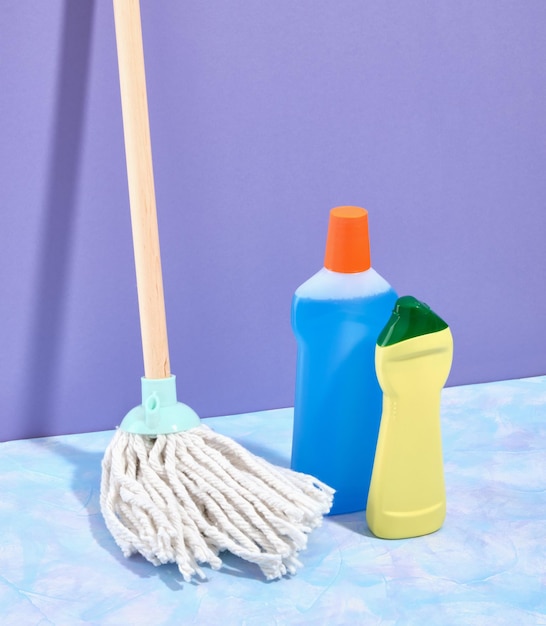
{"x":337,"y":316}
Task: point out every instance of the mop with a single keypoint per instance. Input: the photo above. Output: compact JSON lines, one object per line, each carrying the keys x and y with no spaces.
{"x":172,"y":489}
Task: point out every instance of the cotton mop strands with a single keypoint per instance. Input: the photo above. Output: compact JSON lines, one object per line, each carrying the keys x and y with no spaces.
{"x":172,"y":489}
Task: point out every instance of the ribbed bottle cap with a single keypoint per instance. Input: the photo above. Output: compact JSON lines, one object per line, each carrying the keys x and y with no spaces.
{"x":410,"y":318}
{"x":348,"y":242}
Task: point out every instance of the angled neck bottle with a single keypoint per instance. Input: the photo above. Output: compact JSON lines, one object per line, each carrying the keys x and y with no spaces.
{"x":413,"y":359}
{"x":337,"y":316}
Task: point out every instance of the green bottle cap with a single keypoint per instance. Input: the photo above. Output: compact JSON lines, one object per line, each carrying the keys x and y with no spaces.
{"x":410,"y":318}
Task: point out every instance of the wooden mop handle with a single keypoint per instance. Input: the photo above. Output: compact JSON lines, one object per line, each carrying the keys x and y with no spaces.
{"x":138,"y":154}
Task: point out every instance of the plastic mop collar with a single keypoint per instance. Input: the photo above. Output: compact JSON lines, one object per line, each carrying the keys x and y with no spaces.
{"x":172,"y":489}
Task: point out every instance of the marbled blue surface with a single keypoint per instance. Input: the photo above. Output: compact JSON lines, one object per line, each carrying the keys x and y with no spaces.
{"x":487,"y":565}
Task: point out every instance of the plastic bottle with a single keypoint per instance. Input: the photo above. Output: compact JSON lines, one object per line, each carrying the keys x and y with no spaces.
{"x":337,"y":316}
{"x":413,"y":359}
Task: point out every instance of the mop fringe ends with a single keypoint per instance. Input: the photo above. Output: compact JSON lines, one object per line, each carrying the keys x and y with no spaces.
{"x":186,"y":497}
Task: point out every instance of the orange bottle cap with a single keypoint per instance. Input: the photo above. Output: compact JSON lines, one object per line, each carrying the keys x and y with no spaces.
{"x":348,"y":242}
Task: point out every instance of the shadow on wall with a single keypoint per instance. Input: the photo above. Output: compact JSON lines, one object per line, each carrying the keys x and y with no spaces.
{"x":53,"y":260}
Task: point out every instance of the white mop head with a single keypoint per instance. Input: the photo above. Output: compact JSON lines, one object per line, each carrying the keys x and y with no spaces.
{"x":183,"y":498}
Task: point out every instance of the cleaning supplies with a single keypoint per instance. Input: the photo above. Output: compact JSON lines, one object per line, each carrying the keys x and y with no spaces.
{"x":413,"y":359}
{"x":337,"y":316}
{"x":172,"y":489}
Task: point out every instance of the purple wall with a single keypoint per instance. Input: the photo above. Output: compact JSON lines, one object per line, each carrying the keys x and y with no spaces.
{"x":264,"y":115}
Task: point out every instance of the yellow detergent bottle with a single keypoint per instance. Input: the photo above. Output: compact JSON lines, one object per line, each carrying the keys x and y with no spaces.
{"x":413,"y":358}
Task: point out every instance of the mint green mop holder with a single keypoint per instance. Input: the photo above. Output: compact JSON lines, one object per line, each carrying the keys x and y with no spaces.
{"x":160,"y":412}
